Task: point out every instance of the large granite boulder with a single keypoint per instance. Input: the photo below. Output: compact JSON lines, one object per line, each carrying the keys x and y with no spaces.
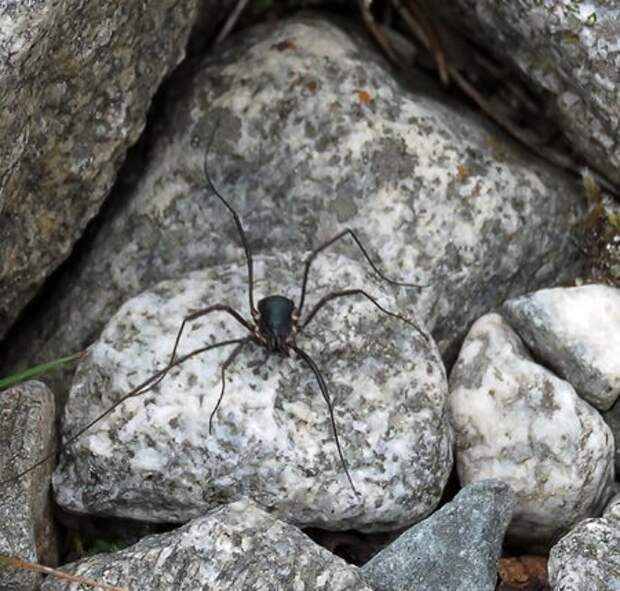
{"x":154,"y":458}
{"x":76,"y":81}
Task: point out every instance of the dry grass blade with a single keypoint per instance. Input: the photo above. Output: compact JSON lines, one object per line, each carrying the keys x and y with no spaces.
{"x":21,"y":564}
{"x":231,"y":21}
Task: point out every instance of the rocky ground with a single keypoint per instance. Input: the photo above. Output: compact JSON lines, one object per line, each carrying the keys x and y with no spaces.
{"x":448,"y":410}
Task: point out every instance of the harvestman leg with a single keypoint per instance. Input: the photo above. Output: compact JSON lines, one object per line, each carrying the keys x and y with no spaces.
{"x":323,"y":387}
{"x":145,"y":386}
{"x":195,"y":316}
{"x":237,"y":220}
{"x":225,"y":366}
{"x":322,"y":247}
{"x":350,"y":292}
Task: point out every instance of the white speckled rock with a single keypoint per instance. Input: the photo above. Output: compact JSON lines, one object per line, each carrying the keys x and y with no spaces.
{"x":438,"y":193}
{"x":588,"y":557}
{"x":569,"y":51}
{"x":516,"y":421}
{"x":27,"y":528}
{"x":154,"y":459}
{"x":236,"y":547}
{"x":576,"y":332}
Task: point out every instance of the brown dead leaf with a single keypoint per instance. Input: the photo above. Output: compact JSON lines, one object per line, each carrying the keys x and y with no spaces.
{"x":523,"y":573}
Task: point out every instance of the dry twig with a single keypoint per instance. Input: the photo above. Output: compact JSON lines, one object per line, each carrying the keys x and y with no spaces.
{"x":21,"y":564}
{"x":376,"y":31}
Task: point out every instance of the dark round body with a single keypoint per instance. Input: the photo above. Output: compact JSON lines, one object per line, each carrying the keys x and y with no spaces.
{"x":276,"y":322}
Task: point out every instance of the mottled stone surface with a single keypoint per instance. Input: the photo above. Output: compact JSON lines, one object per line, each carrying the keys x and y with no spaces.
{"x":443,"y":197}
{"x":612,"y":418}
{"x":237,"y":546}
{"x":27,"y":434}
{"x":456,"y":549}
{"x":76,"y":79}
{"x":576,"y":332}
{"x":588,"y":557}
{"x":612,"y":511}
{"x":569,"y":51}
{"x":153,"y":458}
{"x":516,"y":421}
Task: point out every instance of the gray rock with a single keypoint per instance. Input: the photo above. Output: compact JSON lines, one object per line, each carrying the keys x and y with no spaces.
{"x":456,"y":549}
{"x":442,"y":197}
{"x":516,"y":421}
{"x":612,"y":418}
{"x":154,"y":459}
{"x":612,"y":511}
{"x":588,"y":557}
{"x":27,"y":529}
{"x":570,"y":53}
{"x":576,"y":332}
{"x":78,"y":77}
{"x":237,"y":546}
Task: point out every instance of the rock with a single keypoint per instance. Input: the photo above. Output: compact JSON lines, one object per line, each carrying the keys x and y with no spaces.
{"x":550,"y":44}
{"x":79,"y":77}
{"x":27,"y":528}
{"x":612,"y":511}
{"x":516,"y":421}
{"x":456,"y":549}
{"x":612,"y":418}
{"x":588,"y":557}
{"x":576,"y":332}
{"x":238,"y":546}
{"x":438,"y":194}
{"x":153,"y":459}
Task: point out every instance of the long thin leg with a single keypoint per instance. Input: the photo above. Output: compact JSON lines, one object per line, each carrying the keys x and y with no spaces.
{"x":350,"y":292}
{"x":322,"y":247}
{"x":189,"y":318}
{"x":200,"y":314}
{"x":225,"y":366}
{"x":140,"y":389}
{"x":323,"y":387}
{"x":242,"y":236}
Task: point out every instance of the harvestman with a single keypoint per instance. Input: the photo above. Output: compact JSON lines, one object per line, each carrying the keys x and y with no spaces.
{"x":275,"y":323}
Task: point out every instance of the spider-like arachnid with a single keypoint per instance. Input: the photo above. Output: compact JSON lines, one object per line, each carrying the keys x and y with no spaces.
{"x":274,"y":325}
